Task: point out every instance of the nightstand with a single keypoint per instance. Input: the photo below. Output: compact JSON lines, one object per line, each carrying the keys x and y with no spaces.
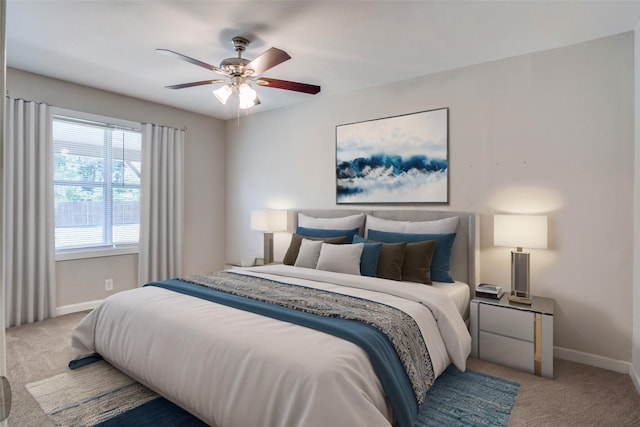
{"x":515,"y":335}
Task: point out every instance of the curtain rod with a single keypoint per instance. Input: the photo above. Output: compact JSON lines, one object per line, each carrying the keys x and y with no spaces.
{"x":184,"y":128}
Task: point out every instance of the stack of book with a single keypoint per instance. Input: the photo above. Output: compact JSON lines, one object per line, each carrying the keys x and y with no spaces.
{"x":489,"y":291}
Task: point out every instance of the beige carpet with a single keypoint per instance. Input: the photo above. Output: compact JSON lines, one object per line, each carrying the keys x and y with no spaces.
{"x":579,"y":395}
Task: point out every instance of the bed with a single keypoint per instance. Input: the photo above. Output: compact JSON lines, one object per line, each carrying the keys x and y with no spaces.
{"x":237,"y":361}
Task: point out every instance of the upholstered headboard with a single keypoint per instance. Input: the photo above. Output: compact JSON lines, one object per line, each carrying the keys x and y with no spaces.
{"x":466,"y":247}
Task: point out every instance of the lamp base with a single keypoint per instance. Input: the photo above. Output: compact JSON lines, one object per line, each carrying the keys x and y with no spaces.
{"x":268,"y":248}
{"x":520,"y":278}
{"x":520,"y":300}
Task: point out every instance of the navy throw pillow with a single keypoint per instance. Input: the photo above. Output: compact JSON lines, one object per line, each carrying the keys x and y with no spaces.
{"x":321,"y":232}
{"x":369,"y":257}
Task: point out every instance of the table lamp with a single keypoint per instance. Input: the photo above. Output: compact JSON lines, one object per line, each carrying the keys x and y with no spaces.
{"x":269,"y":221}
{"x":520,"y":231}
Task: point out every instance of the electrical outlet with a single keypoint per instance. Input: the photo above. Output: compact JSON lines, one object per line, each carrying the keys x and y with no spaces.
{"x":108,"y":285}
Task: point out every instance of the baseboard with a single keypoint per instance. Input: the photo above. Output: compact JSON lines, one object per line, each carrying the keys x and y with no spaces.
{"x":635,"y":378}
{"x":593,"y":360}
{"x":74,"y":308}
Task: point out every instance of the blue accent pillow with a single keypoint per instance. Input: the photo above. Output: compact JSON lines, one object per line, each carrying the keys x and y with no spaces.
{"x":441,"y":262}
{"x":369,"y":257}
{"x":324,"y":233}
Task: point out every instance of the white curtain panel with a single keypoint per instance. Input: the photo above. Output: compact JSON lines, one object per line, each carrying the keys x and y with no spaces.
{"x":30,"y":286}
{"x":161,"y":200}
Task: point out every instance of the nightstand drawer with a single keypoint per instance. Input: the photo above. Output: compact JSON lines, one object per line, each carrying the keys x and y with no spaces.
{"x":512,"y":334}
{"x":511,"y":323}
{"x":507,"y":351}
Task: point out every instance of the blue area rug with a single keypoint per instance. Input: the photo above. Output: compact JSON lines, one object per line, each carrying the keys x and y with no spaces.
{"x":100,"y":395}
{"x":468,"y":398}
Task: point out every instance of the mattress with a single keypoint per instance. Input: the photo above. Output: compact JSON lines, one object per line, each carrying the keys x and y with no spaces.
{"x":214,"y":360}
{"x":459,"y":293}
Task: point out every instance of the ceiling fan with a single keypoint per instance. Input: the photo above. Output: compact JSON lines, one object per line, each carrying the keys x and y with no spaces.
{"x":240,"y":72}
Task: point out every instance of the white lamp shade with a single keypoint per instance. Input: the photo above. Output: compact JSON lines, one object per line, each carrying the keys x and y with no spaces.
{"x":269,"y":220}
{"x":520,"y":231}
{"x":223,"y":93}
{"x":247,"y":96}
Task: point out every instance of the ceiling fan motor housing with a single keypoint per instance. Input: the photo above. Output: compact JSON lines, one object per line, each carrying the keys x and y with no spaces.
{"x":234,"y":66}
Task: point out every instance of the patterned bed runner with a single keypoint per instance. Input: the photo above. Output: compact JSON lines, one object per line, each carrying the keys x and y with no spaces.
{"x":400,"y":328}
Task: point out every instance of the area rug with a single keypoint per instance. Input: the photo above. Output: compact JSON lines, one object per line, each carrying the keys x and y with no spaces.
{"x":468,"y":398}
{"x":100,"y":395}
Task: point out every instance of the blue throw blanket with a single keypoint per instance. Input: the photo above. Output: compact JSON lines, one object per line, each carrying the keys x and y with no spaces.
{"x":403,"y":386}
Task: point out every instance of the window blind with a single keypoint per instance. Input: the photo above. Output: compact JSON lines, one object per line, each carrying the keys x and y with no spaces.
{"x":97,"y":168}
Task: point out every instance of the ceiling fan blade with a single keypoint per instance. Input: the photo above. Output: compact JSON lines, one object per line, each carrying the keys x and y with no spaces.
{"x":266,"y":61}
{"x":203,"y":82}
{"x":285,"y":84}
{"x":192,"y":61}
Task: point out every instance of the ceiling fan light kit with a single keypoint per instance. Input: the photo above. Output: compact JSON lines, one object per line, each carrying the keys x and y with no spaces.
{"x":247,"y":96}
{"x":240,"y":72}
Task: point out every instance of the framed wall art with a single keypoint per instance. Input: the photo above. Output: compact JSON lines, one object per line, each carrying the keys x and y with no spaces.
{"x":400,"y":159}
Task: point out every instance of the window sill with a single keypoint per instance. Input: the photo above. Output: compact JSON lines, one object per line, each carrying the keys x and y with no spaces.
{"x":94,"y":253}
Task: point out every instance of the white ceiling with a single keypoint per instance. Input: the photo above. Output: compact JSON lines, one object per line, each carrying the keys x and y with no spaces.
{"x":339,"y":45}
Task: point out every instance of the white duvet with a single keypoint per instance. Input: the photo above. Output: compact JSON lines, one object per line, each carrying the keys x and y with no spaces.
{"x":234,"y":368}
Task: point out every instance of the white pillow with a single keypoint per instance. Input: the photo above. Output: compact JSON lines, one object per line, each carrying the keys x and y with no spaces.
{"x":343,"y":223}
{"x":340,"y":258}
{"x":438,"y":226}
{"x":309,"y":253}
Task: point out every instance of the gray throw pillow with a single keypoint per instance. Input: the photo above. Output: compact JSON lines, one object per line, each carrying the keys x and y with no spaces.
{"x":340,"y":258}
{"x":294,"y":247}
{"x":309,"y":253}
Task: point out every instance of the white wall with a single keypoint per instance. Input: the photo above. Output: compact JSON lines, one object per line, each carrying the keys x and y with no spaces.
{"x":549,"y":132}
{"x":635,"y":360}
{"x":83,"y":280}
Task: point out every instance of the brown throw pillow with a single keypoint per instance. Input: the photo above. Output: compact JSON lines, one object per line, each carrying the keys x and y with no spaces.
{"x":294,"y":247}
{"x":390,"y":261}
{"x":416,"y":266}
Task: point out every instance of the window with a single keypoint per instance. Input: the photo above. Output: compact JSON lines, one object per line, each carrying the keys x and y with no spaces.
{"x":97,"y":166}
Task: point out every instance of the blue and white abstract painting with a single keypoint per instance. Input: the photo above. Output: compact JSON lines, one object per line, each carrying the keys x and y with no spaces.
{"x":402,"y":159}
